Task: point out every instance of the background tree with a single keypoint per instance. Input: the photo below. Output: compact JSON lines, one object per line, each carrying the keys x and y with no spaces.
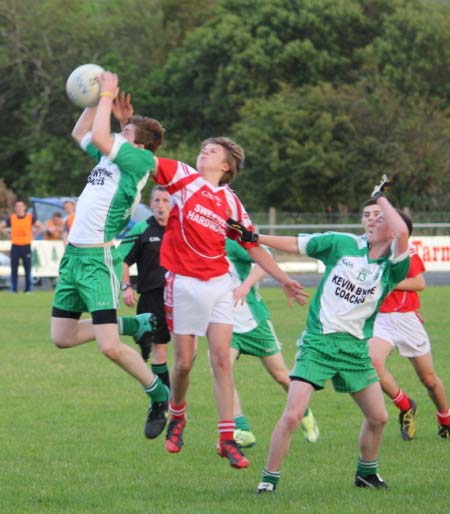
{"x":40,"y":44}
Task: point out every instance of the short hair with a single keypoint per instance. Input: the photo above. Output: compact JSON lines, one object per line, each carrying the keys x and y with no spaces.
{"x":157,"y":188}
{"x":369,"y":202}
{"x":148,"y":132}
{"x":56,"y":214}
{"x":235,"y":157}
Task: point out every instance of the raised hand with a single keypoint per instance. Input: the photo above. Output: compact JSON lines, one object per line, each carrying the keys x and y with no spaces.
{"x":382,"y":187}
{"x":123,"y":108}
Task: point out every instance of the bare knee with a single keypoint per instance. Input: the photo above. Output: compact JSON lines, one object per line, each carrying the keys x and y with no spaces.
{"x":62,"y":339}
{"x":429,"y":380}
{"x":291,"y":419}
{"x":112,"y":352}
{"x":220,"y":364}
{"x":60,"y":342}
{"x":378,"y":364}
{"x":378,"y":419}
{"x":183,"y":366}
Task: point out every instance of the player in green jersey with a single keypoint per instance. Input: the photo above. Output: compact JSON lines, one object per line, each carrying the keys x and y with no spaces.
{"x":90,"y":270}
{"x":359,"y":273}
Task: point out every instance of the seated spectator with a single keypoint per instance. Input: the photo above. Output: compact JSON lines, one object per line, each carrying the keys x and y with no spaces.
{"x":54,"y":227}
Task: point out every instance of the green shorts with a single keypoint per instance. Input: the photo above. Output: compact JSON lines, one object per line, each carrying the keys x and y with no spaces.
{"x":259,"y":342}
{"x":89,"y":279}
{"x":339,"y":357}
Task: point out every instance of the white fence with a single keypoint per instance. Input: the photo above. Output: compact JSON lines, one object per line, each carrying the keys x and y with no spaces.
{"x":434,"y":251}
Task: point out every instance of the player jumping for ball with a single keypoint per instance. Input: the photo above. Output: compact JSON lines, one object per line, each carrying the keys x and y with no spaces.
{"x":198,"y":290}
{"x":90,"y":271}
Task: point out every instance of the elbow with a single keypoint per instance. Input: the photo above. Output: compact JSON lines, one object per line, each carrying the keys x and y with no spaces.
{"x":76,"y":136}
{"x":96,"y":141}
{"x":421,"y":285}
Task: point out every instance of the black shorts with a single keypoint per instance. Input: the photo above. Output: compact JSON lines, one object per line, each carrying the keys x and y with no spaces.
{"x":153,"y":301}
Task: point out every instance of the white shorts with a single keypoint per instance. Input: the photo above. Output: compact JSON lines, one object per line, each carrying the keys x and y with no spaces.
{"x":405,"y":331}
{"x":195,"y":303}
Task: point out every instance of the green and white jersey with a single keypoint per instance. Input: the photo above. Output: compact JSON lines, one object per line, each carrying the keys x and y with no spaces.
{"x":353,"y":285}
{"x":112,"y":191}
{"x":254,"y":311}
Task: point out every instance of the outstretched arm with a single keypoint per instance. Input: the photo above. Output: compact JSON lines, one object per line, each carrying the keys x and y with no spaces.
{"x":282,"y":243}
{"x":292,"y":289}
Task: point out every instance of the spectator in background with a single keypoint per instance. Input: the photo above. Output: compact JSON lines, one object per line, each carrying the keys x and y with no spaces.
{"x":54,"y":227}
{"x":19,"y":228}
{"x":69,"y":207}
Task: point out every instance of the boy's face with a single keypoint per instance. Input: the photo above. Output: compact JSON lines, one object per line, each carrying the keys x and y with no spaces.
{"x":129,"y":133}
{"x":212,"y":157}
{"x":375,"y":227}
{"x":369,"y":215}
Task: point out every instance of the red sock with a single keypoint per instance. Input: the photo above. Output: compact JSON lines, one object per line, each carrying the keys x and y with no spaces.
{"x":443,"y":418}
{"x":401,"y":400}
{"x":177,"y":411}
{"x":226,"y":429}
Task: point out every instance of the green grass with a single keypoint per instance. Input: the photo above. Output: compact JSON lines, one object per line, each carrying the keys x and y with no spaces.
{"x":71,"y":427}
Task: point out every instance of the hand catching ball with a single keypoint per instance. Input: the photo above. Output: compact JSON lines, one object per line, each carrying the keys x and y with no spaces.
{"x":83,"y":86}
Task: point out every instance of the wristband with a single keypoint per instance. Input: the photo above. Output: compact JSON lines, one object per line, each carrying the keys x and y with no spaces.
{"x":377,"y":195}
{"x":107,"y":93}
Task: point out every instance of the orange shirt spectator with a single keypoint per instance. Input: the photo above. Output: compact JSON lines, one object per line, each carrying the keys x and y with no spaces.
{"x":19,"y":228}
{"x":54,"y":228}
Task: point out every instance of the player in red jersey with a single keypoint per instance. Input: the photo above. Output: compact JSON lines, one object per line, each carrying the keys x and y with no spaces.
{"x":198,"y":291}
{"x":399,"y":324}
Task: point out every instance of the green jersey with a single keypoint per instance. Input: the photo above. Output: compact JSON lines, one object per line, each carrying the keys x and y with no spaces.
{"x":112,"y":191}
{"x":353,"y":285}
{"x":254,"y":311}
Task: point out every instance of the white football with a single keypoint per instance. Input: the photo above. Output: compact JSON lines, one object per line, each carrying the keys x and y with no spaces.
{"x":83,"y":86}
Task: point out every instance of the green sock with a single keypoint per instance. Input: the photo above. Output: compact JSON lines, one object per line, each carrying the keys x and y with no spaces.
{"x":157,"y":391}
{"x":242,"y":423}
{"x":366,"y":467}
{"x":128,"y":325}
{"x":270,"y":476}
{"x":163,"y":373}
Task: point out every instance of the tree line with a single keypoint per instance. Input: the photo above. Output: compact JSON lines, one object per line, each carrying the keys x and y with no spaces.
{"x":324,"y":95}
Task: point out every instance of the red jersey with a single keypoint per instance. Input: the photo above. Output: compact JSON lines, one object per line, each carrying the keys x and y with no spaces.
{"x":194,"y":241}
{"x":405,"y":301}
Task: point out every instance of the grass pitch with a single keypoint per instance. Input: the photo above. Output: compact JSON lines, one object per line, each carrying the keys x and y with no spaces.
{"x":71,"y":427}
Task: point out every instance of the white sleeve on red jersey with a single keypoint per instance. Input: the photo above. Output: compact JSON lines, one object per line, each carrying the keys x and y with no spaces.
{"x":174,"y":175}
